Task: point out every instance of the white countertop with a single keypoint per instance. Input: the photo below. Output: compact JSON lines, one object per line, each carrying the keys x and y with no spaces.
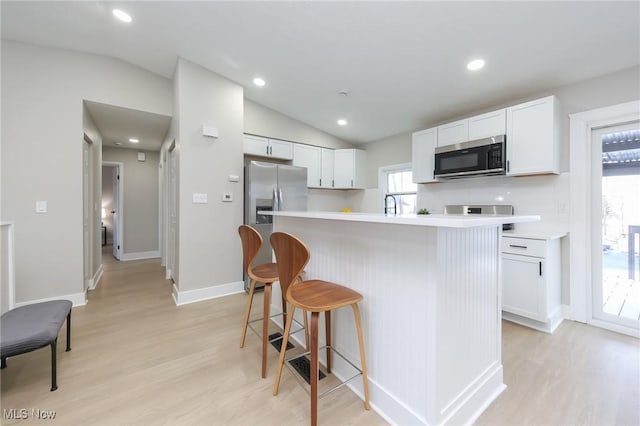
{"x":535,"y":235}
{"x":436,"y":220}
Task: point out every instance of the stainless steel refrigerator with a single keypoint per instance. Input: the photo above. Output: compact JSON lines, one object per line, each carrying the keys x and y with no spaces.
{"x":271,"y":187}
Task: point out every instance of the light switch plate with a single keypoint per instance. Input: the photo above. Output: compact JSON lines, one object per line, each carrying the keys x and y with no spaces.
{"x":41,"y":206}
{"x":200,"y":198}
{"x":234,"y":178}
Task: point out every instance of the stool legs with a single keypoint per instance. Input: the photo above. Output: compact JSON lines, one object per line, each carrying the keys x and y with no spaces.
{"x":363,"y":361}
{"x":283,"y":349}
{"x":266,"y":314}
{"x":247,"y":312}
{"x":314,"y":367}
{"x":327,"y":332}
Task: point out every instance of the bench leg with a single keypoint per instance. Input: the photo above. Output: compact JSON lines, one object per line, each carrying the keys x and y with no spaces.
{"x":69,"y":332}
{"x":54,"y":385}
{"x":4,"y":362}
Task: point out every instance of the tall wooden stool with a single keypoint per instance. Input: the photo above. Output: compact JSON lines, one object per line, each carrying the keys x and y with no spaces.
{"x":315,"y":296}
{"x":266,"y":273}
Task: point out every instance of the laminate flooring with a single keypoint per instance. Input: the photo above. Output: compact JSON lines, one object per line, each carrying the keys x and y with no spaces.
{"x":137,"y":359}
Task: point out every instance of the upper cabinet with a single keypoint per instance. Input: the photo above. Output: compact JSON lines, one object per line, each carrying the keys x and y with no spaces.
{"x":267,"y":147}
{"x":423,"y":145}
{"x":532,"y":137}
{"x":310,"y":157}
{"x":455,"y":132}
{"x":487,"y":125}
{"x":477,"y":127}
{"x":327,"y":166}
{"x":349,"y":168}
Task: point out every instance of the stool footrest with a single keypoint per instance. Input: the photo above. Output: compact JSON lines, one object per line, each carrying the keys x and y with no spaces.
{"x":306,"y":385}
{"x":259,"y":332}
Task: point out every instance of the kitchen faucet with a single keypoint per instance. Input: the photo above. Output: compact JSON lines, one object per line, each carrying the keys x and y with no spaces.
{"x":386,"y":205}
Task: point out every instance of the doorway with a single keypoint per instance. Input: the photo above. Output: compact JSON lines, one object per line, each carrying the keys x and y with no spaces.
{"x":111,"y":202}
{"x":616,"y":224}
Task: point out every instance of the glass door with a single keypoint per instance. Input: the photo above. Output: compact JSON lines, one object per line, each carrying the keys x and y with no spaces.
{"x":616,"y":225}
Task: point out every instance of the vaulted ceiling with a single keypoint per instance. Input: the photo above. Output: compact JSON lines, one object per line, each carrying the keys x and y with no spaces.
{"x":402,"y":64}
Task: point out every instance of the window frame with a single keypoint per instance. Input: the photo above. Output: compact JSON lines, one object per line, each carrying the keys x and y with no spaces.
{"x":383,"y":189}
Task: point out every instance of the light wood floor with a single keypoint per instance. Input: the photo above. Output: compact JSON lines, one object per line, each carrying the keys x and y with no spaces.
{"x":138,"y":359}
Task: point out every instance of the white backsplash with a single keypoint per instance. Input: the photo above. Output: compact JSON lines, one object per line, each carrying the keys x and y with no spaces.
{"x":546,"y":196}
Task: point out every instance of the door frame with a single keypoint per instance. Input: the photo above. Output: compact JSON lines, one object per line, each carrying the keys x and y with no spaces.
{"x":580,"y":241}
{"x":88,"y":248}
{"x":120,"y":206}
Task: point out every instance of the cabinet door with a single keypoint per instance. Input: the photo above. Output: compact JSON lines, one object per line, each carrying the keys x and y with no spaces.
{"x":308,"y":156}
{"x":256,"y":145}
{"x":451,"y":133}
{"x":423,"y":145}
{"x":523,"y":286}
{"x":343,"y":169}
{"x":532,"y":142}
{"x":327,"y":168}
{"x":280,"y":149}
{"x":486,"y":125}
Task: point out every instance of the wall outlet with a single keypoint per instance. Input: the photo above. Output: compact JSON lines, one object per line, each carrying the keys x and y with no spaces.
{"x":41,"y":206}
{"x":227,"y":197}
{"x":200,"y":198}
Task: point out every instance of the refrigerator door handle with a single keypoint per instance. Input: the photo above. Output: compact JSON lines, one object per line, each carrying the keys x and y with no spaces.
{"x":276,"y":205}
{"x":280,"y":201}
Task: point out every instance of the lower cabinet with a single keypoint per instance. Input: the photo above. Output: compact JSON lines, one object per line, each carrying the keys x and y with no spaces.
{"x":531,"y":282}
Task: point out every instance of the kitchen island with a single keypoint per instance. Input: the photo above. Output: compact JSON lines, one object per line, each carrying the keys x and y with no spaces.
{"x":431,"y":310}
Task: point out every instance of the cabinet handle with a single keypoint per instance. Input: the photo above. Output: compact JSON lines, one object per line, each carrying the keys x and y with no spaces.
{"x":352,"y":183}
{"x":320,"y":181}
{"x":508,"y":164}
{"x":333,"y":183}
{"x":267,"y":150}
{"x":540,"y":268}
{"x":517,"y":246}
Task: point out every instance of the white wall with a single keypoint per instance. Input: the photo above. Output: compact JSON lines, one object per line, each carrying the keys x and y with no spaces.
{"x":210,"y":252}
{"x":140,"y":198}
{"x":42,"y":133}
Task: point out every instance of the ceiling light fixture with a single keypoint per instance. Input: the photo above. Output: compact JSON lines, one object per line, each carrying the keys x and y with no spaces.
{"x":475,"y":65}
{"x":134,"y":140}
{"x":258,"y":82}
{"x":342,"y":122}
{"x":123,"y":16}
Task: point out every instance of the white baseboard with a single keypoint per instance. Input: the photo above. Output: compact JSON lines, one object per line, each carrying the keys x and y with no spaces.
{"x":206,"y":293}
{"x":168,"y":274}
{"x":140,"y":255}
{"x":95,"y":281}
{"x":78,"y":299}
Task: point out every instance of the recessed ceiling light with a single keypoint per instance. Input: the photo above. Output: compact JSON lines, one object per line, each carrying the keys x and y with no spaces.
{"x":258,"y":82}
{"x":475,"y":65}
{"x":134,"y":140}
{"x":123,"y":16}
{"x":342,"y":122}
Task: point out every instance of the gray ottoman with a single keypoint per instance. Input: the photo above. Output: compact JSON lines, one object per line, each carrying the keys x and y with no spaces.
{"x":32,"y":327}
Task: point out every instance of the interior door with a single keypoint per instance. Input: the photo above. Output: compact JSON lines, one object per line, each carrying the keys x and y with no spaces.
{"x":115,"y":180}
{"x":86,"y":210}
{"x":173,"y":212}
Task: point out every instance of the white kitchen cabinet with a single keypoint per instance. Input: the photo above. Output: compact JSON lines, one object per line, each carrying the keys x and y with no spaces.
{"x":349,"y":168}
{"x":531,"y":277}
{"x":310,"y":157}
{"x":423,"y":144}
{"x":532,"y":137}
{"x":327,"y":166}
{"x":267,"y":147}
{"x":455,"y":132}
{"x":486,"y":125}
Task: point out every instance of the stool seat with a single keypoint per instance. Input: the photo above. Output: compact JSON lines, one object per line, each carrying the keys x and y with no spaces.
{"x":321,"y":296}
{"x":265,"y":273}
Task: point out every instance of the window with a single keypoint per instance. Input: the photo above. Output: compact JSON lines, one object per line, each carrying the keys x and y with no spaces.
{"x":398,"y":189}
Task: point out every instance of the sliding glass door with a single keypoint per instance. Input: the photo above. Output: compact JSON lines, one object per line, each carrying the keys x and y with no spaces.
{"x":616,"y":225}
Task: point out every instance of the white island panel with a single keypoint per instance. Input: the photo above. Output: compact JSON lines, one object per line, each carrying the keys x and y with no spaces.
{"x":430,"y":312}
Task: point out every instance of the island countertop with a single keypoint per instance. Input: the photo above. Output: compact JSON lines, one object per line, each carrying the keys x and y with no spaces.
{"x":435,"y":220}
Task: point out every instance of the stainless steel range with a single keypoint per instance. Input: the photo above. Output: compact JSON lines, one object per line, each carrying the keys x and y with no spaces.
{"x":495,"y":210}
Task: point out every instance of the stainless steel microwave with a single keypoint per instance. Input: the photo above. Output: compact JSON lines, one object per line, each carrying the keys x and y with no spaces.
{"x":482,"y":157}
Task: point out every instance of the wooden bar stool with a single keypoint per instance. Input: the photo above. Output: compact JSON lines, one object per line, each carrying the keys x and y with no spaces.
{"x":266,"y":273}
{"x":315,"y":296}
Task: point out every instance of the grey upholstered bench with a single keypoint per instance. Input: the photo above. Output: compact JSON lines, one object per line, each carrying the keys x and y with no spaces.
{"x":32,"y":327}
